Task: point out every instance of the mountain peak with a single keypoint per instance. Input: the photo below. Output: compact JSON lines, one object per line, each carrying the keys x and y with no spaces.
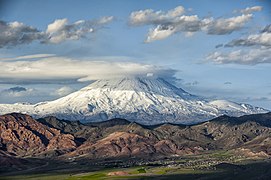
{"x":146,"y":100}
{"x":152,"y":85}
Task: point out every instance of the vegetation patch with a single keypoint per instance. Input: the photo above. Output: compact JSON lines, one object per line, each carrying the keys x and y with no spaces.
{"x":141,"y":170}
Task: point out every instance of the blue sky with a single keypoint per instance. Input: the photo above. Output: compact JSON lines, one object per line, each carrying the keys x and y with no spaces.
{"x":173,"y":39}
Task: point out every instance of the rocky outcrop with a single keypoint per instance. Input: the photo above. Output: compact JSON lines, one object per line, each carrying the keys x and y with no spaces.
{"x":21,"y":135}
{"x":117,"y":144}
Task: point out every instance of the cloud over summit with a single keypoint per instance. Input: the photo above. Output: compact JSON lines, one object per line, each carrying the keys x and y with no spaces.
{"x":61,"y":68}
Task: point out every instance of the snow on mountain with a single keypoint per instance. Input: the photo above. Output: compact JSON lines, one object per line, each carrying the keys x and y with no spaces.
{"x":144,"y":100}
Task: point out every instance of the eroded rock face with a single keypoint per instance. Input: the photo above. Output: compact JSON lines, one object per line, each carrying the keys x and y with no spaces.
{"x":125,"y":144}
{"x":117,"y":144}
{"x":21,"y":135}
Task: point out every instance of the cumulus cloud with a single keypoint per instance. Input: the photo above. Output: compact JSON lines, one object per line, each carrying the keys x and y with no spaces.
{"x":149,"y":16}
{"x":60,"y":68}
{"x":188,"y":24}
{"x":175,"y":21}
{"x":225,"y":25}
{"x":60,"y":30}
{"x":261,"y":39}
{"x":255,"y":49}
{"x":250,"y":10}
{"x":244,"y":56}
{"x":16,"y":33}
{"x":160,"y":32}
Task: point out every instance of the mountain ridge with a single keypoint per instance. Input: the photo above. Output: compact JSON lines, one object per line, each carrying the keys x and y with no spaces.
{"x":55,"y":139}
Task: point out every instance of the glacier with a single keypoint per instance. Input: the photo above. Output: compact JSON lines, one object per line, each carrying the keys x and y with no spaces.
{"x":146,"y":100}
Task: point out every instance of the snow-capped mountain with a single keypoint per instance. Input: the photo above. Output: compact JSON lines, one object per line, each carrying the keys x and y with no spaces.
{"x":144,"y":100}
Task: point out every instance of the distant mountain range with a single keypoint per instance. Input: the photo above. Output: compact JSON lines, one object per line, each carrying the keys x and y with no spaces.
{"x":144,"y":100}
{"x":22,"y":137}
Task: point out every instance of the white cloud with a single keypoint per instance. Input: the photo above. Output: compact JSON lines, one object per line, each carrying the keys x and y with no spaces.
{"x":60,"y":68}
{"x":17,"y":33}
{"x":105,"y":20}
{"x":17,"y":92}
{"x":188,"y":24}
{"x":32,"y":56}
{"x":189,"y":34}
{"x":261,"y":39}
{"x":60,"y":30}
{"x":159,"y":33}
{"x":250,"y":10}
{"x":245,"y":57}
{"x":62,"y":91}
{"x":27,"y":94}
{"x":256,"y":49}
{"x":225,"y":25}
{"x":57,"y":25}
{"x":149,"y":16}
{"x":174,"y":21}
